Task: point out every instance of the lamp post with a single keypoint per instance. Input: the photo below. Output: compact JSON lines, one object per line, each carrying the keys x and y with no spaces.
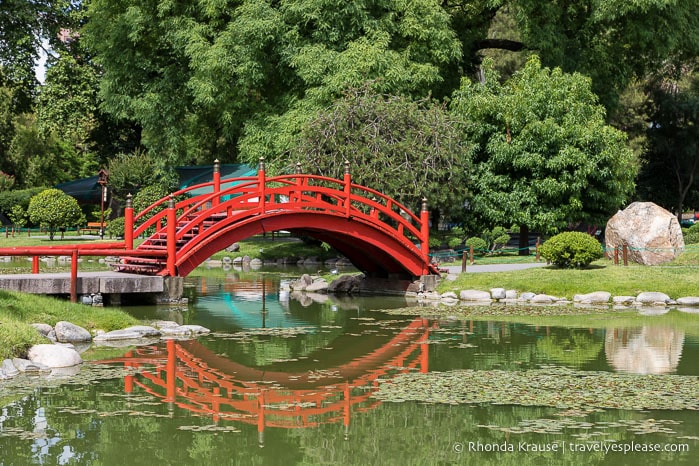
{"x":102,"y":178}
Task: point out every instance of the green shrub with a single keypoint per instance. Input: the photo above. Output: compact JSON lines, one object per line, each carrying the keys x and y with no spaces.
{"x":115,"y":227}
{"x":454,"y":242}
{"x":496,"y":238}
{"x":479,"y":244}
{"x":20,"y":197}
{"x":435,"y":243}
{"x":691,"y":234}
{"x":571,"y":249}
{"x":53,"y":209}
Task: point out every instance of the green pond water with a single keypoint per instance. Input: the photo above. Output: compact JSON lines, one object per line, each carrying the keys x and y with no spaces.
{"x":297,"y":379}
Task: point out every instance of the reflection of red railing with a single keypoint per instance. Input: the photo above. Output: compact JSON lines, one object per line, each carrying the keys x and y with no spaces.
{"x":175,"y":374}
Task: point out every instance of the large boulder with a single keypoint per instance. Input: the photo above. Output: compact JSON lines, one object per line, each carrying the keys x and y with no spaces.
{"x":67,"y":332}
{"x":652,"y":234}
{"x":54,"y":355}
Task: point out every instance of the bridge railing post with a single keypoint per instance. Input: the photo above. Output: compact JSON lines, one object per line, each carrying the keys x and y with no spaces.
{"x":128,"y":223}
{"x":348,"y":188}
{"x":171,"y":237}
{"x":217,"y":183}
{"x":425,"y":232}
{"x":261,"y":184}
{"x":74,"y":276}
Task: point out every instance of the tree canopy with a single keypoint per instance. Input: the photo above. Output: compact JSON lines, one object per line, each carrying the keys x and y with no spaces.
{"x":671,"y":163}
{"x":236,"y":80}
{"x":53,"y":209}
{"x":393,"y":144}
{"x":545,"y":157}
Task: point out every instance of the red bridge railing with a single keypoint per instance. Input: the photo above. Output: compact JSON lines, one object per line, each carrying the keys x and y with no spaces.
{"x":185,"y":216}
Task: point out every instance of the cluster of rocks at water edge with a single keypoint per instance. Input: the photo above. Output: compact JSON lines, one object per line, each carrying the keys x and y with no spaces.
{"x":253,"y":263}
{"x":598,"y":298}
{"x":62,"y":357}
{"x":345,"y":284}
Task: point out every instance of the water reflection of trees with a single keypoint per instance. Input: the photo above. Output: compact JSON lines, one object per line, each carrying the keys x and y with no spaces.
{"x":645,"y":350}
{"x":512,"y":346}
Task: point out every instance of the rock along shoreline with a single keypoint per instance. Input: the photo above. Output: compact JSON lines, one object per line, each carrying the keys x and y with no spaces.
{"x":62,"y":356}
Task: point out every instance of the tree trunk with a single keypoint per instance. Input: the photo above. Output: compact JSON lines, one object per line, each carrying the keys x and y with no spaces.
{"x":523,"y":240}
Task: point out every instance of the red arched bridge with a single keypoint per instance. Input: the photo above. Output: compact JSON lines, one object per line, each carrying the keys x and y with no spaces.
{"x":380,"y":236}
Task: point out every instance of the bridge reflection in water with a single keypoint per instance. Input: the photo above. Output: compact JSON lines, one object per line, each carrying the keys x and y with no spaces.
{"x":191,"y":376}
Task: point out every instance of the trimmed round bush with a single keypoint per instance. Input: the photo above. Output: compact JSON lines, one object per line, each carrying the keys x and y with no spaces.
{"x":115,"y":227}
{"x":691,"y":234}
{"x":571,"y":249}
{"x":479,"y":245}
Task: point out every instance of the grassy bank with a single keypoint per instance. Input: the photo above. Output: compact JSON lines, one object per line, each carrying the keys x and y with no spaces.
{"x":676,"y":279}
{"x":19,"y":310}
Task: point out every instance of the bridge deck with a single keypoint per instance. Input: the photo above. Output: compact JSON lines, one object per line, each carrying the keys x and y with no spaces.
{"x":105,"y":282}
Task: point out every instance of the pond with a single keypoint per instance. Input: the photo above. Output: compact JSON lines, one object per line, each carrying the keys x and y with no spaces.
{"x":288,"y":378}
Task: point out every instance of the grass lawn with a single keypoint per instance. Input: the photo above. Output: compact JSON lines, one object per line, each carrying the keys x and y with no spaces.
{"x":19,"y":310}
{"x":676,"y":279}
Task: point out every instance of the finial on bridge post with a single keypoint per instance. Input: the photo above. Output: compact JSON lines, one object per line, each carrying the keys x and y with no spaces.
{"x":298,"y":168}
{"x":217,"y":182}
{"x":262,"y":164}
{"x":423,"y":208}
{"x":347,"y":167}
{"x":129,"y":201}
{"x":171,"y":202}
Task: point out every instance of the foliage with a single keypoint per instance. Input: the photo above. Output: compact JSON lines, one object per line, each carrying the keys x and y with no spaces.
{"x":6,"y":181}
{"x":52,"y":208}
{"x":672,"y":161}
{"x":545,"y":157}
{"x":195,"y":79}
{"x":496,"y":238}
{"x":129,"y":173}
{"x":571,"y":249}
{"x":37,"y":159}
{"x":115,"y":227}
{"x":405,"y":149}
{"x":67,"y":108}
{"x":19,"y":197}
{"x":18,"y":216}
{"x":611,"y":41}
{"x":479,"y":244}
{"x":691,"y":234}
{"x":23,"y":26}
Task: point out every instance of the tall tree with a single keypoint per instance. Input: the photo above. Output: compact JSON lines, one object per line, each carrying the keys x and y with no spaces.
{"x":197,"y":78}
{"x":405,"y":149}
{"x":545,"y":156}
{"x":671,"y":167}
{"x":612,"y":41}
{"x":27,"y":27}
